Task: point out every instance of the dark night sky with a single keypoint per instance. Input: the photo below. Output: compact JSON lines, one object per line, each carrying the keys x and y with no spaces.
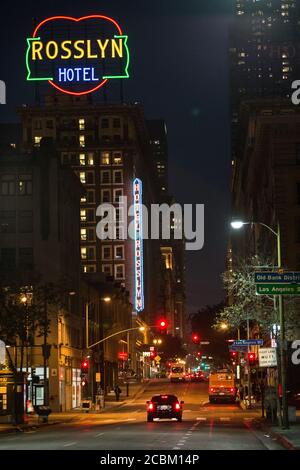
{"x":179,"y":71}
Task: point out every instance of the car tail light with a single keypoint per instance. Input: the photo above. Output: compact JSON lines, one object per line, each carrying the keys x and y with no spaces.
{"x":151,"y":406}
{"x":212,"y":389}
{"x":232,"y":389}
{"x":177,"y":406}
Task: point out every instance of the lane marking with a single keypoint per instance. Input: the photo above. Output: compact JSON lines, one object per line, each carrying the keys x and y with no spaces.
{"x":70,"y":444}
{"x":201,"y":419}
{"x":225,"y":419}
{"x":100,"y":434}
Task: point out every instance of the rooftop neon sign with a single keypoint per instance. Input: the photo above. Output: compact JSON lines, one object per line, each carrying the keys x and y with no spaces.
{"x":138,"y":245}
{"x":77,"y":56}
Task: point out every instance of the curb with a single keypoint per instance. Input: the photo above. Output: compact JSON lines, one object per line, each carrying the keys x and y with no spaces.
{"x":276,"y":435}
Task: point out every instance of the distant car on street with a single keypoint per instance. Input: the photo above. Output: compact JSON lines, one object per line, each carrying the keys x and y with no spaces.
{"x":164,"y":407}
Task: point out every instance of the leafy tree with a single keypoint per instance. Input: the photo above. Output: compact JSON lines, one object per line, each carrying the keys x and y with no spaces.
{"x":246,"y":305}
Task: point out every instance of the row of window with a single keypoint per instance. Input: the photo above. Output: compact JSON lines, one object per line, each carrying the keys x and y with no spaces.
{"x":88,"y":215}
{"x":107,"y":195}
{"x":10,"y":220}
{"x":88,"y":159}
{"x":105,"y":123}
{"x":106,"y":177}
{"x":118,"y":272}
{"x":10,"y":257}
{"x":89,"y":252}
{"x":11,"y":184}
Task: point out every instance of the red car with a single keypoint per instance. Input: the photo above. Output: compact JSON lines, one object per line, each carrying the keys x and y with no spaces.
{"x":164,"y":406}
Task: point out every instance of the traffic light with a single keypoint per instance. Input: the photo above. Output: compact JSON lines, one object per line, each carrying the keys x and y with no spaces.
{"x":84,"y":368}
{"x":195,"y":338}
{"x":233,"y":354}
{"x":251,"y":358}
{"x":162,"y":325}
{"x":152,"y":355}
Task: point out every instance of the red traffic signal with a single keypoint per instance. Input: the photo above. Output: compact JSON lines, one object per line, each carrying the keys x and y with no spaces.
{"x":251,"y":357}
{"x":163,"y":324}
{"x":196,"y":338}
{"x":152,"y":354}
{"x":233,"y":353}
{"x":84,"y":366}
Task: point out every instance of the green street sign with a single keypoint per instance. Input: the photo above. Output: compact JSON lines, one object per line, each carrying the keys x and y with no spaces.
{"x":278,"y":289}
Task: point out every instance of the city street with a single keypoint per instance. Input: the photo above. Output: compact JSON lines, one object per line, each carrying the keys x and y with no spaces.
{"x":204,"y":426}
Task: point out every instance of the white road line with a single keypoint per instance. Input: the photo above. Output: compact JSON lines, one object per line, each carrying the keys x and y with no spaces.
{"x":131,"y":419}
{"x":70,"y":444}
{"x":201,"y":419}
{"x":225,"y":419}
{"x":176,"y":448}
{"x":100,"y":434}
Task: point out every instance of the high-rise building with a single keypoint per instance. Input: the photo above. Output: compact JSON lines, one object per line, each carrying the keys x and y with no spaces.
{"x":159,"y":146}
{"x":264,"y":53}
{"x":107,"y":146}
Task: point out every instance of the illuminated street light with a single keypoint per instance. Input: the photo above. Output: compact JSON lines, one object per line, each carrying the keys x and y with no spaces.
{"x":224,"y":326}
{"x":106,"y":299}
{"x":237,"y":224}
{"x":23,"y":299}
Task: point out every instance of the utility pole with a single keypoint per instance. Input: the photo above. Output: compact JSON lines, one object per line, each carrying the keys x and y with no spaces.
{"x":285,"y":417}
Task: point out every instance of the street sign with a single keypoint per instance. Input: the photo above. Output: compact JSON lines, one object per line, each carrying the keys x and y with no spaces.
{"x":288,"y":277}
{"x":267,"y":357}
{"x":238,"y":348}
{"x":278,"y":289}
{"x":157,"y":358}
{"x":248,"y":342}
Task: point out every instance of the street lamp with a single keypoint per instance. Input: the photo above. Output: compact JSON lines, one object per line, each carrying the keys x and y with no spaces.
{"x":238,"y":224}
{"x":224,"y":326}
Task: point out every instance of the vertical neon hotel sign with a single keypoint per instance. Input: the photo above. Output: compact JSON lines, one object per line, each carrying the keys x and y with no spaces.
{"x":138,"y":245}
{"x":77,"y":56}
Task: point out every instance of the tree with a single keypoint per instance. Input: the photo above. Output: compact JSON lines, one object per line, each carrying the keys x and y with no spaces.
{"x":260,"y":310}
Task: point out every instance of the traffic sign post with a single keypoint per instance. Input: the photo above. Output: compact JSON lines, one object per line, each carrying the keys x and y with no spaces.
{"x":281,"y":278}
{"x":278,"y":289}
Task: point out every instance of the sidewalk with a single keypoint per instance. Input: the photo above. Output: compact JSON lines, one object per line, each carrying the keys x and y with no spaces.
{"x":289,"y":438}
{"x":135,"y":389}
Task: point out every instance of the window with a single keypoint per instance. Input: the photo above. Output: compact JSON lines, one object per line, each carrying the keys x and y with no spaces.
{"x":83,"y":252}
{"x":106,"y":252}
{"x":105,"y":176}
{"x":81,"y":124}
{"x":89,"y":268}
{"x":90,"y":177}
{"x":116,"y":123}
{"x":26,"y":257}
{"x":8,"y":186}
{"x":90,"y":196}
{"x":117,"y":138}
{"x":91,"y":232}
{"x":83,"y":199}
{"x":118,"y":176}
{"x":83,"y":215}
{"x":83,"y":234}
{"x":105,"y":195}
{"x":82,"y":141}
{"x":104,"y":123}
{"x":37,"y":140}
{"x":82,"y":177}
{"x":90,"y":215}
{"x":7,"y":221}
{"x":8,"y":257}
{"x":117,"y":158}
{"x":117,"y":194}
{"x":105,"y":158}
{"x":90,"y":159}
{"x":38,"y":124}
{"x":82,"y":159}
{"x":91,"y":253}
{"x":119,"y":252}
{"x":25,"y":185}
{"x":119,"y":214}
{"x":107,"y":269}
{"x":49,"y":124}
{"x":119,"y":271}
{"x":87,"y":234}
{"x":25,"y":221}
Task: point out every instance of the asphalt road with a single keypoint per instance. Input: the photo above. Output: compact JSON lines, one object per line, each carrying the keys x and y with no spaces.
{"x":204,"y":426}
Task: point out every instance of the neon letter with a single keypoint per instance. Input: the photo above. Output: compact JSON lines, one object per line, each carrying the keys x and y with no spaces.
{"x":70,"y":75}
{"x":79,"y":49}
{"x":116,"y":48}
{"x":62,"y":75}
{"x":89,"y":52}
{"x":55,"y":50}
{"x":37,"y":46}
{"x":66,"y":49}
{"x":103,"y":47}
